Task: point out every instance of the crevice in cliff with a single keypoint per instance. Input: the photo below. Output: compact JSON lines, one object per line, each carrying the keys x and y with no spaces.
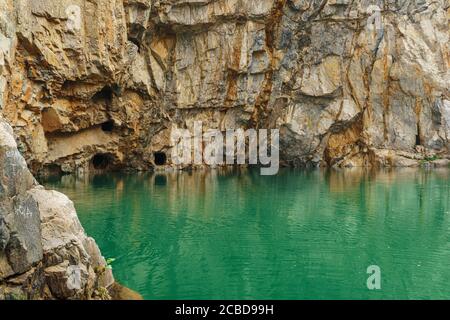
{"x":418,"y":140}
{"x":418,"y":111}
{"x":344,"y":143}
{"x":263,"y":100}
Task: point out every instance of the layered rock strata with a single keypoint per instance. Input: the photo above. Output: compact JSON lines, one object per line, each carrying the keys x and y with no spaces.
{"x":101,"y":84}
{"x":94,"y":85}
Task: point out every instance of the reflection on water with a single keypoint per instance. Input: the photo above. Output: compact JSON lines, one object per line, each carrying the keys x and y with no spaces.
{"x":297,"y":235}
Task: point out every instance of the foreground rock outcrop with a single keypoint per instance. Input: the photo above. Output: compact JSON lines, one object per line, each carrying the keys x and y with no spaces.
{"x":101,"y":84}
{"x":44,"y":251}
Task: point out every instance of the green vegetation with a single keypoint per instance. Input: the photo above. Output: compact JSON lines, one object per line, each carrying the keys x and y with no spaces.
{"x":430,"y":159}
{"x":109,"y":263}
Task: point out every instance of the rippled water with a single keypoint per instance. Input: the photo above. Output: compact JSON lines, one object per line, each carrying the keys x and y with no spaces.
{"x":298,"y":235}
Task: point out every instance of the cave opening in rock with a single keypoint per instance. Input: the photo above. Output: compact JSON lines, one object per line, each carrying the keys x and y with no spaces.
{"x":418,"y":142}
{"x":418,"y":139}
{"x":101,"y":161}
{"x":108,"y":126}
{"x":160,"y":158}
{"x":106,"y":94}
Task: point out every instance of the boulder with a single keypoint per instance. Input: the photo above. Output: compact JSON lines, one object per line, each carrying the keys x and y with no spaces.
{"x":44,"y":251}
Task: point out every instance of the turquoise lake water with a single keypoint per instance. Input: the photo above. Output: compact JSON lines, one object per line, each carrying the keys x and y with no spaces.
{"x":297,"y":235}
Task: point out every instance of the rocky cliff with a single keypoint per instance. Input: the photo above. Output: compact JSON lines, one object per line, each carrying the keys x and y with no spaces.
{"x":101,"y":84}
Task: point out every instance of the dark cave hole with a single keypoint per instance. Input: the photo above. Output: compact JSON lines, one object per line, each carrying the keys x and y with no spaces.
{"x":108,"y":126}
{"x":418,"y":142}
{"x":418,"y":139}
{"x":101,"y":161}
{"x":106,"y":94}
{"x":160,"y":158}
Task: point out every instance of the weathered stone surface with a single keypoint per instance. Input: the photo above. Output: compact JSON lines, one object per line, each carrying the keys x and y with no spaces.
{"x":44,"y":251}
{"x":342,"y":80}
{"x":100,"y":84}
{"x":64,"y":240}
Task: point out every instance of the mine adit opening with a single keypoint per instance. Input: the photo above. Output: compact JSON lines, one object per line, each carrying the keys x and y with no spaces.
{"x":106,"y":94}
{"x":102,"y":161}
{"x":418,"y":139}
{"x":108,"y":126}
{"x":160,"y":158}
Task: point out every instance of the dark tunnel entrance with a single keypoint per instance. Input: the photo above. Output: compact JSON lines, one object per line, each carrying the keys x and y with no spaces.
{"x":108,"y":126}
{"x":160,"y":158}
{"x":101,"y":161}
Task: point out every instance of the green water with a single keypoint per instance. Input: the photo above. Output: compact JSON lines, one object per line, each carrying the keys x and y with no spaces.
{"x":298,"y":235}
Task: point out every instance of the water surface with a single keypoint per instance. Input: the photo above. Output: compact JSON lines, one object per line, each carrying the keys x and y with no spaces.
{"x":297,"y":235}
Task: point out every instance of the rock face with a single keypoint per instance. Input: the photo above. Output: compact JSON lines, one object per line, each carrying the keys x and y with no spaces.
{"x":44,"y":252}
{"x":100,"y":84}
{"x":93,"y":85}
